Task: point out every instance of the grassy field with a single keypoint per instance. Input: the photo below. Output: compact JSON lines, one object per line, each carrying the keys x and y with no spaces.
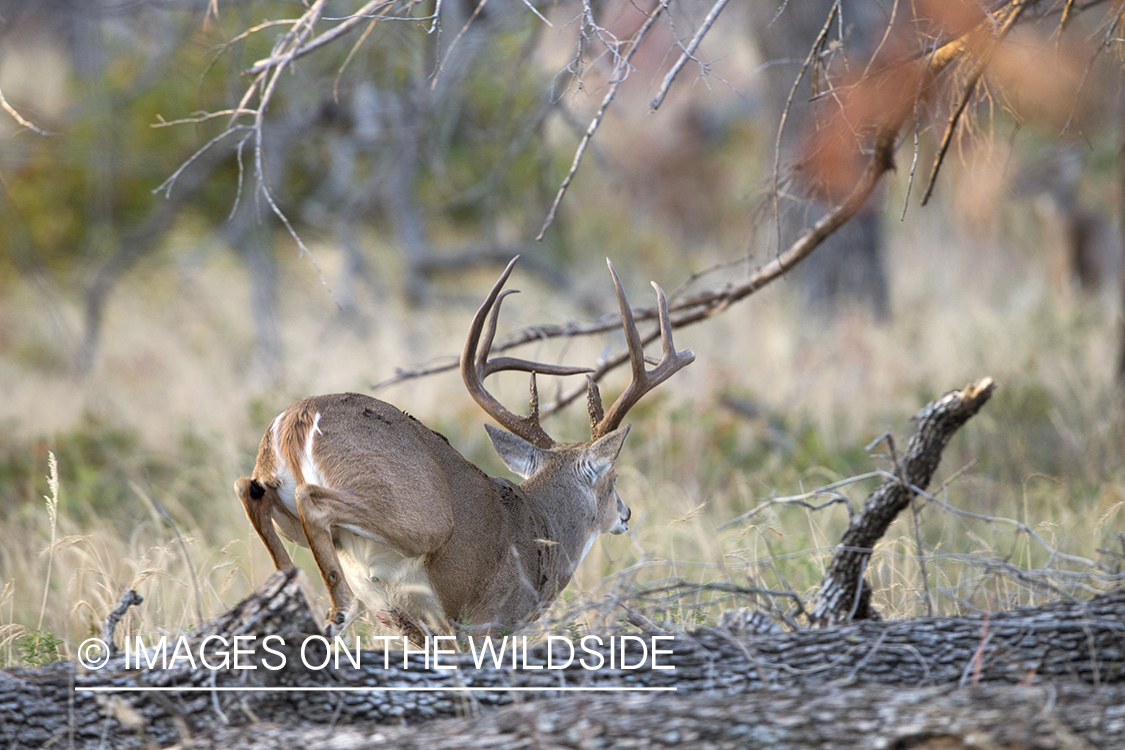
{"x":149,"y":444}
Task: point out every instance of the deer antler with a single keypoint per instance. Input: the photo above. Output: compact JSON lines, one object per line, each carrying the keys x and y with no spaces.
{"x":475,"y":367}
{"x":644,"y":380}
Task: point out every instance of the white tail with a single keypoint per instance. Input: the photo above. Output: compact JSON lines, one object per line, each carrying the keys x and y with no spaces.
{"x":392,"y":512}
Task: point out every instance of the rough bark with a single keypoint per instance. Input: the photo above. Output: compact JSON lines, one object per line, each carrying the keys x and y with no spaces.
{"x":838,"y":718}
{"x":844,"y":594}
{"x":1073,"y":649}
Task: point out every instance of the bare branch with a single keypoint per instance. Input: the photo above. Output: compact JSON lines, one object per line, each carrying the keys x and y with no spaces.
{"x":199,"y":117}
{"x":1010,"y":14}
{"x":284,"y":58}
{"x":689,"y":51}
{"x":453,"y":45}
{"x":639,"y":37}
{"x":20,"y":118}
{"x":813,"y":51}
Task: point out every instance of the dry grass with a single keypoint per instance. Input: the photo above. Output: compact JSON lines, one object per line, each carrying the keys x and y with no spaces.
{"x":175,"y":408}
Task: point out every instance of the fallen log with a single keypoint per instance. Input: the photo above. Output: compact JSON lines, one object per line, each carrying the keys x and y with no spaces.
{"x":1068,"y":717}
{"x":1071,"y":646}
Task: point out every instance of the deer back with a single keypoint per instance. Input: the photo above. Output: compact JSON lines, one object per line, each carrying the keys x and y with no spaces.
{"x":406,"y":474}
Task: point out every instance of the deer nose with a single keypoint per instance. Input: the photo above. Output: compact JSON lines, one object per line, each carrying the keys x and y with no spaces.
{"x":627,"y":514}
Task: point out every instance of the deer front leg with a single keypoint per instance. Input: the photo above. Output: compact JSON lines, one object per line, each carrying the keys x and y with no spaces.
{"x":317,"y":522}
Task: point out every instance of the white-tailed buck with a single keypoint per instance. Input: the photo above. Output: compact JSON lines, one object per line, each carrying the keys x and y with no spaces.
{"x":393,"y":513}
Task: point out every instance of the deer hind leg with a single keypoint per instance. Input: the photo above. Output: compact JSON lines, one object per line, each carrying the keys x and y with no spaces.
{"x":383,"y":562}
{"x":259,"y":502}
{"x":314,"y":504}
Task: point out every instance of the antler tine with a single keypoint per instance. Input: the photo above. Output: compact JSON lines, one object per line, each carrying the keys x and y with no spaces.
{"x":644,"y":380}
{"x":534,"y":413}
{"x":632,"y":336}
{"x":469,"y":354}
{"x":476,"y":366}
{"x":594,"y":402}
{"x":490,"y":332}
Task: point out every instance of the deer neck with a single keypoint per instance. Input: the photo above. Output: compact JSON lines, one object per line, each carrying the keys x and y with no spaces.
{"x":564,"y":515}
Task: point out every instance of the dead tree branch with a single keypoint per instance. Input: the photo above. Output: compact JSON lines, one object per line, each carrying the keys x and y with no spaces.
{"x":688,"y":53}
{"x":23,"y":122}
{"x":844,"y":594}
{"x":621,"y":73}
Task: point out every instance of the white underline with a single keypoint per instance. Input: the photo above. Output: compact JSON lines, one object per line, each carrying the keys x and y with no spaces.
{"x":346,"y":689}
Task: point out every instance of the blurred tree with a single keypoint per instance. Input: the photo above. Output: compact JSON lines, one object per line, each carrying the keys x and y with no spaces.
{"x":81,"y":201}
{"x":386,"y":142}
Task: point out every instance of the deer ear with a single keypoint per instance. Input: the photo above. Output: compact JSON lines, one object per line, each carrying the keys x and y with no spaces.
{"x":601,"y":455}
{"x":520,"y":456}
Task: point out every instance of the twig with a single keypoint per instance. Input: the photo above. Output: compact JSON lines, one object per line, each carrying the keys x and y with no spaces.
{"x":883,"y":41}
{"x":910,"y":177}
{"x":166,"y":186}
{"x":295,"y":37}
{"x":283,"y":59}
{"x":785,"y":114}
{"x":453,"y":45}
{"x":20,"y":118}
{"x":351,"y":53}
{"x":800,"y":500}
{"x":1019,"y":525}
{"x":1107,"y":38}
{"x":688,"y":53}
{"x":657,"y":9}
{"x":1015,"y":10}
{"x":199,"y":117}
{"x":1066,"y":11}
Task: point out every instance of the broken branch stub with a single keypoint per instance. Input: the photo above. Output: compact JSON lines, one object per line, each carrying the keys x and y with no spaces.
{"x":844,"y":593}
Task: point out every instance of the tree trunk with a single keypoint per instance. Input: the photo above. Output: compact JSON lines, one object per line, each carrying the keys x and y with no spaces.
{"x":870,"y":680}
